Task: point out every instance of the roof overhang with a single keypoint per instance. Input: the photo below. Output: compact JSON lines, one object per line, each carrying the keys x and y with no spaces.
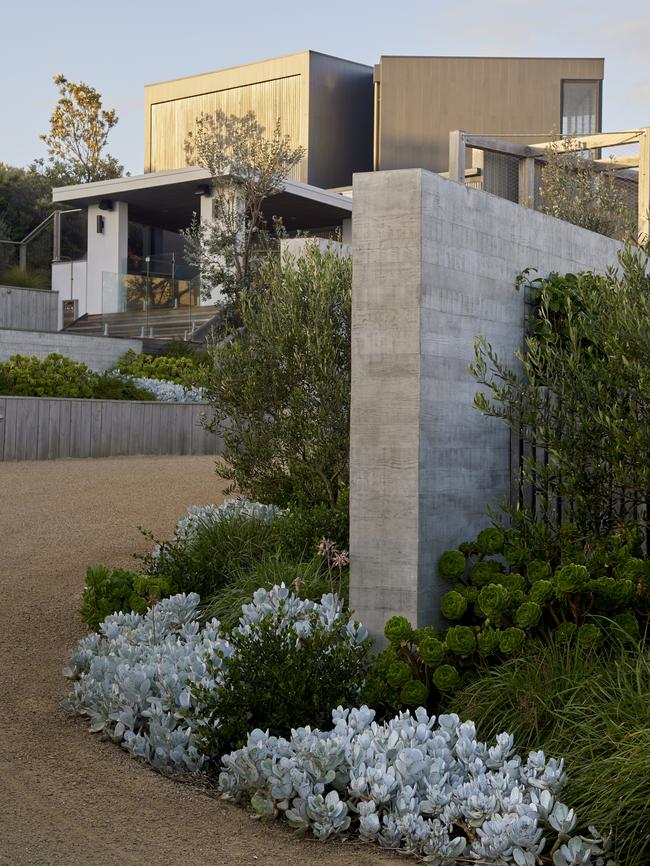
{"x":168,"y":199}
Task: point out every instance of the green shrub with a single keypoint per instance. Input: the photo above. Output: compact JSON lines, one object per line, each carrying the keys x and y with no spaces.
{"x":300,"y":531}
{"x":185,"y":370}
{"x":279,"y":674}
{"x":308,"y":579}
{"x":593,"y":709}
{"x":58,"y":376}
{"x":560,"y":585}
{"x":109,"y":590}
{"x":214,"y":554}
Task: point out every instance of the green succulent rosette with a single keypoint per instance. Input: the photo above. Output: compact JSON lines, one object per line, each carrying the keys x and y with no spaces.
{"x":485,"y":572}
{"x":493,"y":599}
{"x":490,"y":541}
{"x":511,"y":640}
{"x":538,"y":570}
{"x":469,"y":593}
{"x":432,"y":651}
{"x":399,"y":673}
{"x":398,"y":629}
{"x":414,"y":694}
{"x":528,"y":615}
{"x":541,"y":592}
{"x":446,"y":678}
{"x":571,"y":578}
{"x":453,"y":605}
{"x":589,"y":635}
{"x":626,"y":625}
{"x":565,"y":631}
{"x":488,"y":642}
{"x":451,"y":565}
{"x":461,"y":640}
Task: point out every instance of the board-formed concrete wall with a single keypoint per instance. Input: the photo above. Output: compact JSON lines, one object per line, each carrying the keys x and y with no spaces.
{"x":434,"y":267}
{"x":28,"y":308}
{"x":99,"y":353}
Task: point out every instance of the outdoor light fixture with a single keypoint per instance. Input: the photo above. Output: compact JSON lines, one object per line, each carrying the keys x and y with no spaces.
{"x":100,"y":224}
{"x":204,"y":189}
{"x":106,"y":204}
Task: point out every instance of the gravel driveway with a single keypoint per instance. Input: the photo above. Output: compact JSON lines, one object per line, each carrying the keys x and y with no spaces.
{"x":67,"y":797}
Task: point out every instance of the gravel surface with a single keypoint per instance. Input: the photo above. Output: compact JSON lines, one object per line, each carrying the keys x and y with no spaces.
{"x":68,"y":797}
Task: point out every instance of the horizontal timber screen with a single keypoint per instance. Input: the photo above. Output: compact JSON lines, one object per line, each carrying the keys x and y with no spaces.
{"x":44,"y":428}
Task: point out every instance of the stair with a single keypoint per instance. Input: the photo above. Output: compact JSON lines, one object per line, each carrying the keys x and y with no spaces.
{"x":165,"y":324}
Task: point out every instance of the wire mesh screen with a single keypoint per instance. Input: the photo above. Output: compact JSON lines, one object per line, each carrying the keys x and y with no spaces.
{"x":501,"y":175}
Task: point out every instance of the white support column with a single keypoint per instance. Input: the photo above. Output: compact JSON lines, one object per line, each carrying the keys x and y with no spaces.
{"x":107,"y":254}
{"x":644,"y":185}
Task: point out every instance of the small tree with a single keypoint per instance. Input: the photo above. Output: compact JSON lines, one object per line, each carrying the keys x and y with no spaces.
{"x":582,"y":395}
{"x":79,"y":130}
{"x":572,"y":189}
{"x":280,"y":388}
{"x":247,"y":167}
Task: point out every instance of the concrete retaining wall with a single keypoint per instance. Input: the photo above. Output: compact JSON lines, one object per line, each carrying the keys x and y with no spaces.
{"x":434,"y":267}
{"x":44,"y":428}
{"x":99,"y":353}
{"x":28,"y":308}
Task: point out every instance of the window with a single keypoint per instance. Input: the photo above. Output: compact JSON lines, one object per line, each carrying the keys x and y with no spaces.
{"x":580,"y":107}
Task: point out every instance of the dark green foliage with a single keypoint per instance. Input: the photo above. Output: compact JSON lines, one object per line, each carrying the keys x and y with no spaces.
{"x":186,"y":370}
{"x":591,"y":707}
{"x":581,"y":394}
{"x":451,"y":564}
{"x":279,"y":385}
{"x":308,"y":579}
{"x":300,"y":531}
{"x":58,"y":376}
{"x":24,"y":279}
{"x":25,"y":201}
{"x":109,"y":590}
{"x":561,"y":585}
{"x":271,"y":683}
{"x":213,"y":555}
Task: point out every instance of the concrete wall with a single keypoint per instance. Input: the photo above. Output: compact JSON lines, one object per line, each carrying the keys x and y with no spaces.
{"x":434,"y":267}
{"x":28,"y":308}
{"x":99,"y":353}
{"x":47,"y":428}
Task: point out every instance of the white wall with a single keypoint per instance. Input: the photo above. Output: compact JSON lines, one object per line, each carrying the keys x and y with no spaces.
{"x":71,"y":289}
{"x":107,"y":253}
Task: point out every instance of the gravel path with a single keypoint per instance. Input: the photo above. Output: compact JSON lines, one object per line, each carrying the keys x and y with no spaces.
{"x":67,"y":797}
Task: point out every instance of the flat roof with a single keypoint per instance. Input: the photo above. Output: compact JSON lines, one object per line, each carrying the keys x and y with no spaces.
{"x":169,"y":198}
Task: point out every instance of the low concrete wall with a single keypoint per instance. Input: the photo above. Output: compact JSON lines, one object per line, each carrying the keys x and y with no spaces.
{"x":434,"y":267}
{"x":28,"y":308}
{"x":99,"y":353}
{"x":44,"y":428}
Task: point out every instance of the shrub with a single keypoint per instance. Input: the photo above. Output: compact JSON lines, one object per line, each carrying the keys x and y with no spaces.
{"x":134,"y":680}
{"x":213,"y":544}
{"x":587,"y":589}
{"x":58,"y":376}
{"x":279,"y":385}
{"x":186,"y":369}
{"x":109,"y":590}
{"x":581,"y":394}
{"x":301,"y":529}
{"x":410,"y":784}
{"x":592,"y":708}
{"x":292,"y":660}
{"x":166,"y":392}
{"x":23,"y":279}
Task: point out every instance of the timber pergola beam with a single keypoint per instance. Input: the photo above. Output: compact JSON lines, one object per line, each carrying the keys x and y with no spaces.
{"x":529,"y":154}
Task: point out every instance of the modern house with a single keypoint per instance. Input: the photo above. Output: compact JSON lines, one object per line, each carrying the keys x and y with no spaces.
{"x":348,"y":117}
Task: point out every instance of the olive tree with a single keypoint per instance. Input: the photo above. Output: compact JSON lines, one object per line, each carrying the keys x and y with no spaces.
{"x":246,"y":165}
{"x":280,"y":384}
{"x":582,"y":394}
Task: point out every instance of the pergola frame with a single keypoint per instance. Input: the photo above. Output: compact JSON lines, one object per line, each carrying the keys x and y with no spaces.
{"x":529,"y":154}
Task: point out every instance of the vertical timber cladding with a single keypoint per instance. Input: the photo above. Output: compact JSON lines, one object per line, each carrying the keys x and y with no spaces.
{"x":424,"y":98}
{"x":324,"y":103}
{"x":171,"y":121}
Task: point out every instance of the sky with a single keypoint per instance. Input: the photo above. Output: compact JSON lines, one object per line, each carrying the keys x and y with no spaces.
{"x":119,"y":46}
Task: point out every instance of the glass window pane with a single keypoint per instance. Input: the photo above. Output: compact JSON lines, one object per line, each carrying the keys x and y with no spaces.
{"x":579,"y":107}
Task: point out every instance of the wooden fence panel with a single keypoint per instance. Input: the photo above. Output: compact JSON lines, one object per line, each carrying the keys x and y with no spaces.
{"x":42,"y":428}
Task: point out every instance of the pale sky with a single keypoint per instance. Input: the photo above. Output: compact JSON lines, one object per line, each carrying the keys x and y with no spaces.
{"x":119,"y":46}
